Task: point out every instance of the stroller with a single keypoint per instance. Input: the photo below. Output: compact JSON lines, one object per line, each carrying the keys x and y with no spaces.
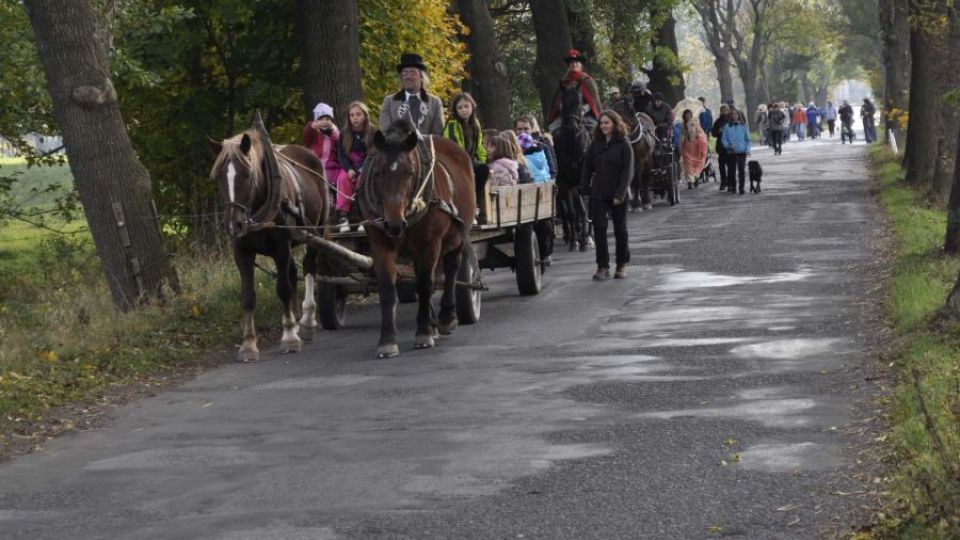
{"x":708,"y":171}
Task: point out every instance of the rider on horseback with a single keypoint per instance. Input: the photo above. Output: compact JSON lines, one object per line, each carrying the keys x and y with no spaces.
{"x":662,"y":116}
{"x":576,"y":78}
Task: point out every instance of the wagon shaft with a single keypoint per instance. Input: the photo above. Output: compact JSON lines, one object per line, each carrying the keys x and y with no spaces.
{"x":332,"y":248}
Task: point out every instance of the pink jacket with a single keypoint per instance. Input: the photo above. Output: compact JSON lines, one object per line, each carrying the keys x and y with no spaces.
{"x":693,"y":154}
{"x":504,"y":172}
{"x":325,"y":147}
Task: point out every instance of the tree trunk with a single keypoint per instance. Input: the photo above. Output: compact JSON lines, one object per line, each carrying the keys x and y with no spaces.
{"x":114,"y":186}
{"x":328,"y":75}
{"x":666,"y":76}
{"x":582,"y":34}
{"x":953,"y":301}
{"x":553,"y":42}
{"x":952,"y":243}
{"x":923,"y":130}
{"x":487,"y":73}
{"x":717,"y":41}
{"x":725,"y":77}
{"x":895,"y":30}
{"x":949,"y":69}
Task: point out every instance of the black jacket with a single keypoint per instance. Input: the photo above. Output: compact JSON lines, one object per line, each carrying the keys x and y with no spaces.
{"x":607,"y":169}
{"x":717,"y":131}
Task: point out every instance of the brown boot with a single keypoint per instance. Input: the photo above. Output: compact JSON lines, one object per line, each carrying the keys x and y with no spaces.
{"x":621,"y":272}
{"x":602,"y":274}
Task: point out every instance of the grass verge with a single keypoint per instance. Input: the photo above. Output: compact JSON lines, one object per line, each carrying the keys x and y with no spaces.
{"x":64,"y":343}
{"x":925,"y":494}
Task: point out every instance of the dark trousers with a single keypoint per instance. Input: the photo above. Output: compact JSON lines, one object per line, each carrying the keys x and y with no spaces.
{"x":736,"y":170}
{"x":831,"y":124}
{"x":599,"y":209}
{"x":776,"y":140}
{"x":722,"y":158}
{"x":480,"y":174}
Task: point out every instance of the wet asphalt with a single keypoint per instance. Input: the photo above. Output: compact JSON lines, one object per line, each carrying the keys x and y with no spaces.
{"x":706,"y":396}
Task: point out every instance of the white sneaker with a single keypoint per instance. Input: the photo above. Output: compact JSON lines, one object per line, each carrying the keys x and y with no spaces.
{"x":360,"y":229}
{"x":343,"y":225}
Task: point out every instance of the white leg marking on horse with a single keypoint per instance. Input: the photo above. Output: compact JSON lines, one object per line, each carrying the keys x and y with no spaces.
{"x":290,"y":342}
{"x":231,"y":181}
{"x":393,"y":166}
{"x":309,"y":318}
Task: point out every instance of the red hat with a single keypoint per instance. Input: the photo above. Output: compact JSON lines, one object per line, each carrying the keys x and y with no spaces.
{"x":574,"y":55}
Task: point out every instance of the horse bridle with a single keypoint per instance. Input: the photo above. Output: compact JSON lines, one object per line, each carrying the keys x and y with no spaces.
{"x":638,"y":130}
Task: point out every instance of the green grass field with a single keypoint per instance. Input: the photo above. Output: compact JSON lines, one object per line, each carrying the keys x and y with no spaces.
{"x":925,"y":495}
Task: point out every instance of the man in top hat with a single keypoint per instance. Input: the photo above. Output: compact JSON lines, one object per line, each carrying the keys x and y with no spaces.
{"x":424,"y":110}
{"x":578,"y":78}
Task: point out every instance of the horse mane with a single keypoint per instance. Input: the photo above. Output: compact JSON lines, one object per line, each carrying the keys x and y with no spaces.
{"x":231,"y":150}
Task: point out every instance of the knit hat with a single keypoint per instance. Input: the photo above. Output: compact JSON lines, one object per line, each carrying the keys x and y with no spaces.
{"x":321,"y":110}
{"x":526,"y":141}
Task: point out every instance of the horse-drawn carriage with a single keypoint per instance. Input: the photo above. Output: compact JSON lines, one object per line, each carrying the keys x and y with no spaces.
{"x":506,"y":237}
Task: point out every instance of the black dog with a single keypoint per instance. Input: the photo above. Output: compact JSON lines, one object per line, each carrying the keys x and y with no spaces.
{"x":756,"y":174}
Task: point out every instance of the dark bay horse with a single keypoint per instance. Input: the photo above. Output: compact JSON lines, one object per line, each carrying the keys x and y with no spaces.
{"x":643,"y":140}
{"x":418,"y":205}
{"x":259,"y":189}
{"x":571,"y":141}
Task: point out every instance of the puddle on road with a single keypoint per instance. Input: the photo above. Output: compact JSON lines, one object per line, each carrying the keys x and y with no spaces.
{"x":794,"y":349}
{"x":768,"y":412}
{"x":678,"y":281}
{"x":784,"y":457}
{"x":286,"y":532}
{"x":308,"y":383}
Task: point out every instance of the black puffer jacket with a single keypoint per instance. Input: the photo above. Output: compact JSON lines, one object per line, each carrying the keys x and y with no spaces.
{"x":607,"y":169}
{"x":717,"y":131}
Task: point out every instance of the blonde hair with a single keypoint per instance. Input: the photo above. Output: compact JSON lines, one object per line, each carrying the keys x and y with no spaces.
{"x":511,"y":138}
{"x":368,"y":128}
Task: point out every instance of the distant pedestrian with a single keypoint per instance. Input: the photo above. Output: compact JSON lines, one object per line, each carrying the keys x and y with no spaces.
{"x":800,"y":120}
{"x":868,"y":113}
{"x":706,"y":121}
{"x":813,"y":121}
{"x":846,"y":123}
{"x":717,"y":132}
{"x":607,"y":170}
{"x":693,"y":148}
{"x":760,"y":119}
{"x":778,"y":125}
{"x":736,"y":140}
{"x":830,"y":115}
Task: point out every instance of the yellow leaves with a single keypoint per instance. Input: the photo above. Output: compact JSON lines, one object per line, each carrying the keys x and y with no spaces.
{"x":195,"y":311}
{"x":49,"y":356}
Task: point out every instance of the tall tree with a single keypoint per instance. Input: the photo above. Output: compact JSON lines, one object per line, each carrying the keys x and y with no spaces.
{"x":717,"y":38}
{"x":553,"y":41}
{"x":927,"y":41}
{"x":114,"y":186}
{"x":487,"y":79}
{"x":749,"y":46}
{"x":949,"y":84}
{"x":330,"y":76}
{"x":895,"y":32}
{"x":666,"y":75}
{"x":580,"y":17}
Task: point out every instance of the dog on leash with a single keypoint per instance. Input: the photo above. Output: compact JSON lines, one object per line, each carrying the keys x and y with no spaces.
{"x":756,"y":175}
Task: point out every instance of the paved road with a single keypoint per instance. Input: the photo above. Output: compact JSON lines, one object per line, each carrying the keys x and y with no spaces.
{"x":596,"y":410}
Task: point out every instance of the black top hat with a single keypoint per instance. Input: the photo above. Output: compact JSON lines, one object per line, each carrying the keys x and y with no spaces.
{"x":411,"y":60}
{"x":574,"y":55}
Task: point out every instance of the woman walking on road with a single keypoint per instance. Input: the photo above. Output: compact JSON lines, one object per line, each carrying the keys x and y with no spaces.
{"x":867,"y":113}
{"x":830,"y":115}
{"x":693,"y":148}
{"x":736,"y":140}
{"x":800,"y":120}
{"x":717,"y":132}
{"x":762,"y":125}
{"x":778,"y":124}
{"x":607,"y":170}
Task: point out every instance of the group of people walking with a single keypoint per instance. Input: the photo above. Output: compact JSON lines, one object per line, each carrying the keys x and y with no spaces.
{"x":778,"y":122}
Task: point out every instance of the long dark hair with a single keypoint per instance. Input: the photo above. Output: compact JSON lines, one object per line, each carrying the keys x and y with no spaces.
{"x":369,"y":129}
{"x":471,"y":126}
{"x":619,"y":128}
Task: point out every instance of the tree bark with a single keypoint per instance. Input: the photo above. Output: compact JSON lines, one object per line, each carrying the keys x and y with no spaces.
{"x":717,"y":39}
{"x":582,"y":35}
{"x":952,"y":242}
{"x":553,"y":41}
{"x":666,"y":77}
{"x":749,"y":54}
{"x":925,"y":98}
{"x":114,"y":186}
{"x":953,"y":301}
{"x":487,"y":81}
{"x":895,"y":31}
{"x":949,"y":70}
{"x":330,"y":75}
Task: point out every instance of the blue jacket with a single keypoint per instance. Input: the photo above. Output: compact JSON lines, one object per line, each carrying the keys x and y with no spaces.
{"x":736,"y":138}
{"x":537,"y":163}
{"x":813,"y":115}
{"x":677,"y":130}
{"x":706,"y":120}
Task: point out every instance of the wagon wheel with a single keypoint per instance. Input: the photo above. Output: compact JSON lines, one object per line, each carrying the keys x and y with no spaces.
{"x":526,"y":254}
{"x":331,"y":305}
{"x":468,"y":298}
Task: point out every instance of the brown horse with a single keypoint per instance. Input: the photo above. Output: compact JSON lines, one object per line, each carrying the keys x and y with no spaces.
{"x":643,"y":140}
{"x":418,"y":205}
{"x":258,"y":192}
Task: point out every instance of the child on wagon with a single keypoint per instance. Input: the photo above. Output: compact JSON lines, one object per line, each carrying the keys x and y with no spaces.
{"x":536,"y":158}
{"x":503,"y":166}
{"x":464,"y":129}
{"x":356,"y":137}
{"x":321,"y":136}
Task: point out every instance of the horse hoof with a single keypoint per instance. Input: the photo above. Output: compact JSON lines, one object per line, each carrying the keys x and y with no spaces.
{"x":448,"y":328}
{"x":423,"y":342}
{"x":388,"y":351}
{"x":248,"y":355}
{"x":306,"y":332}
{"x":291,"y":346}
